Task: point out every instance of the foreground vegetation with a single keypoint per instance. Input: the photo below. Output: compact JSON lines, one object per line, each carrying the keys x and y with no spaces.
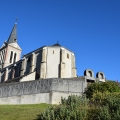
{"x":101,"y":101}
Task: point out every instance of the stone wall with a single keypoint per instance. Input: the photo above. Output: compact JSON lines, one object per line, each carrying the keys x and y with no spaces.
{"x":35,"y":90}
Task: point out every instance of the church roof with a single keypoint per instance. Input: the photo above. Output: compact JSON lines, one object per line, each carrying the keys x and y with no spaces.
{"x":13,"y":35}
{"x":57,"y":44}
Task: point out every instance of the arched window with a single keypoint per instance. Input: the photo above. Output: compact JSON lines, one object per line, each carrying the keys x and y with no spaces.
{"x":15,"y":55}
{"x":11,"y":55}
{"x":101,"y":75}
{"x":90,"y":73}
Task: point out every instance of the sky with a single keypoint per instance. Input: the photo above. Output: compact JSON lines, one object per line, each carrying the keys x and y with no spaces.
{"x":89,"y":28}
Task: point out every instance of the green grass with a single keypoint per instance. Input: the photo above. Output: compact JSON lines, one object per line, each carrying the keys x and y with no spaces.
{"x":21,"y":112}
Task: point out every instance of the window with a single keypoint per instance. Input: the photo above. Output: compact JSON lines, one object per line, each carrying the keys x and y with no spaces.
{"x":90,"y":73}
{"x":2,"y":57}
{"x":29,"y":59}
{"x":11,"y":55}
{"x":15,"y":40}
{"x":3,"y":52}
{"x":15,"y":55}
{"x":101,"y":75}
{"x":68,"y":56}
{"x":19,"y":69}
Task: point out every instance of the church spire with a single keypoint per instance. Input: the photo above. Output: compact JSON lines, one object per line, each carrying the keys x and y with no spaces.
{"x":13,"y":36}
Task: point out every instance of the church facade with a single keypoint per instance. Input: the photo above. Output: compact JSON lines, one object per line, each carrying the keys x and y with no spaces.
{"x":45,"y":62}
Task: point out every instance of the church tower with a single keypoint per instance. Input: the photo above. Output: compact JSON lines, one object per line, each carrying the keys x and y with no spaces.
{"x":10,"y":51}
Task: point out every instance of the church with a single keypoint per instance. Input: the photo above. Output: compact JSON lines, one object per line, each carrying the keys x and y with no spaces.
{"x":53,"y":61}
{"x":42,"y":76}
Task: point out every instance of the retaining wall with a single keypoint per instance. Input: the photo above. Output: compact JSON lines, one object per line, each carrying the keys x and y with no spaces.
{"x":41,"y":91}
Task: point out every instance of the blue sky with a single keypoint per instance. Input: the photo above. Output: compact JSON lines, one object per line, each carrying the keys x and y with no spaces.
{"x":89,"y":28}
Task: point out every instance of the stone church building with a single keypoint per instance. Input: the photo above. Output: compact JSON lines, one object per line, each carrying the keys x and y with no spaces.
{"x":53,"y":61}
{"x":41,"y":76}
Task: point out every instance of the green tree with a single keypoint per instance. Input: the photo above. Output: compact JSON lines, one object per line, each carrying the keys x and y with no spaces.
{"x":101,"y":87}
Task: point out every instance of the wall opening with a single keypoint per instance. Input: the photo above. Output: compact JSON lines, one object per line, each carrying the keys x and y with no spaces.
{"x":15,"y":55}
{"x":18,"y":70}
{"x":10,"y":74}
{"x":90,"y":73}
{"x":101,"y":75}
{"x":15,"y":40}
{"x":28,"y":65}
{"x":37,"y":75}
{"x":0,"y":59}
{"x":11,"y":55}
{"x":68,"y":56}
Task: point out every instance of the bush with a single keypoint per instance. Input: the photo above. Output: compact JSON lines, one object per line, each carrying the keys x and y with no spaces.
{"x":108,"y":107}
{"x":73,"y":108}
{"x":102,"y":87}
{"x":103,"y":103}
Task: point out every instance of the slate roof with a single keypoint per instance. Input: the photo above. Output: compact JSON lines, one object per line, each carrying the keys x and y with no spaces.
{"x":57,"y":44}
{"x":13,"y":35}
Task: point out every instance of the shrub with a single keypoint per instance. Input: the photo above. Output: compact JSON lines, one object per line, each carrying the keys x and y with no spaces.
{"x":106,"y":107}
{"x":73,"y":108}
{"x":102,"y":87}
{"x":103,"y":104}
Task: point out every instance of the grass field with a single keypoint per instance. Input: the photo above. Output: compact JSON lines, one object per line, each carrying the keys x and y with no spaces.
{"x":21,"y":112}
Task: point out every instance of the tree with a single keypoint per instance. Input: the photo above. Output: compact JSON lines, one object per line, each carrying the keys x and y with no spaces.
{"x":101,"y":87}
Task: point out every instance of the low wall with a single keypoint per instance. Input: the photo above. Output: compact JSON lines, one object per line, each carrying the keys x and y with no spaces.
{"x":40,"y":91}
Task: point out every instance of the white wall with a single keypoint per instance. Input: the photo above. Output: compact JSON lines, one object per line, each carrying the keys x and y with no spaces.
{"x":68,"y":63}
{"x":7,"y":57}
{"x":28,"y":77}
{"x":53,"y":61}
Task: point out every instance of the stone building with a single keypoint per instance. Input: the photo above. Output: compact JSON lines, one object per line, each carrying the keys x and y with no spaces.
{"x":46,"y":62}
{"x":41,"y":76}
{"x":10,"y":51}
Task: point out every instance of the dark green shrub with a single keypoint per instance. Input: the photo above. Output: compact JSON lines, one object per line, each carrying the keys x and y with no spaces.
{"x":102,"y":87}
{"x":103,"y":104}
{"x":109,"y":107}
{"x":105,"y":113}
{"x":73,"y":108}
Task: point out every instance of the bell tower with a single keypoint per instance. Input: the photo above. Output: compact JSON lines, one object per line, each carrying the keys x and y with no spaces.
{"x":10,"y":51}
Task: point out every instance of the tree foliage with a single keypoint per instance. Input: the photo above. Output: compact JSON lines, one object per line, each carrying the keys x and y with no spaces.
{"x":102,"y":87}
